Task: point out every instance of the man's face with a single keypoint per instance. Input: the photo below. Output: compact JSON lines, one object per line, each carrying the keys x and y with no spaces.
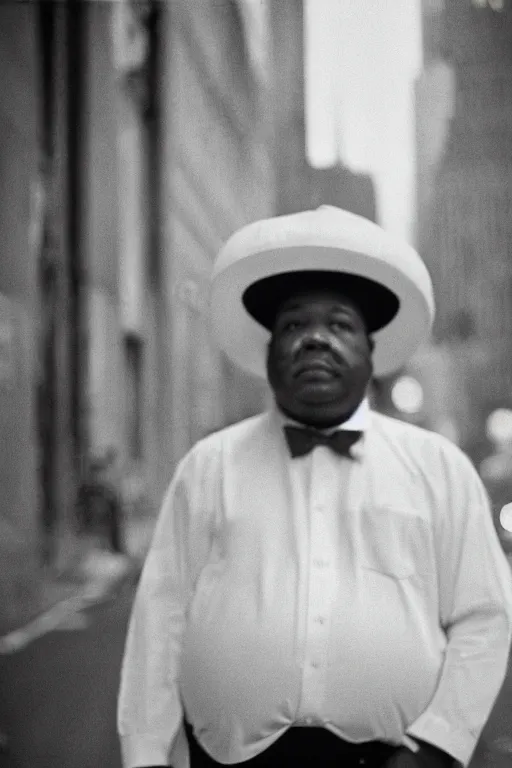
{"x":319,"y":358}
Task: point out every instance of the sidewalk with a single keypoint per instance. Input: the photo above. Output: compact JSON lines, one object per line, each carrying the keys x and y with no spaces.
{"x":98,"y":575}
{"x":58,"y":697}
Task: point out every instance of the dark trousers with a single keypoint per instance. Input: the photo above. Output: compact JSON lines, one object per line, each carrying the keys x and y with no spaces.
{"x":303,"y":748}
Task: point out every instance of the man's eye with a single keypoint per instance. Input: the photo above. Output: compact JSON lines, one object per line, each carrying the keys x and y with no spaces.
{"x":340,"y":325}
{"x":291,"y":325}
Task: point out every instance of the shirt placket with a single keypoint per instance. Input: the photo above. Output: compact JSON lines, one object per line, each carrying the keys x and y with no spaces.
{"x":320,"y":590}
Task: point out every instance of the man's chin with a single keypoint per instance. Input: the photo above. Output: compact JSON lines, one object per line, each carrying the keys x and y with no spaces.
{"x":320,"y":393}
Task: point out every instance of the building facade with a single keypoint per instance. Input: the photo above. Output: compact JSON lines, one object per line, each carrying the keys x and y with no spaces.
{"x":465,"y":184}
{"x":217,"y":161}
{"x":42,"y":410}
{"x":135,"y":138}
{"x":19,"y":164}
{"x":434,"y":108}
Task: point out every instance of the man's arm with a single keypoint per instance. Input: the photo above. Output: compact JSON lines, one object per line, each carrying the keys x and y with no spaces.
{"x":150,"y":716}
{"x":475,"y":596}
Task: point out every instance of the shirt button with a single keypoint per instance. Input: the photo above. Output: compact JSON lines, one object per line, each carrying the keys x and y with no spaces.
{"x":315,"y":664}
{"x":320,"y":620}
{"x":319,"y":563}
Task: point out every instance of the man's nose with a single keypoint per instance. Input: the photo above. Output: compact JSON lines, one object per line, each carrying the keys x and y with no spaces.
{"x":316,"y":338}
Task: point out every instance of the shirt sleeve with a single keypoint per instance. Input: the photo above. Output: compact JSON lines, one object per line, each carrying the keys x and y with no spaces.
{"x":149,"y":714}
{"x":475,"y":595}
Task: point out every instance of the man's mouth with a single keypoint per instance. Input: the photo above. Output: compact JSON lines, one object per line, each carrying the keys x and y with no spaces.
{"x":315,"y":369}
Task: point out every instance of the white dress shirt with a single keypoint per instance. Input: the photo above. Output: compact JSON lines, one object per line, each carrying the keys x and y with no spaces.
{"x":368,"y":596}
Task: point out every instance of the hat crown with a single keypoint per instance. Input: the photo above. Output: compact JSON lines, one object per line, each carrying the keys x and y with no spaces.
{"x":324,"y":226}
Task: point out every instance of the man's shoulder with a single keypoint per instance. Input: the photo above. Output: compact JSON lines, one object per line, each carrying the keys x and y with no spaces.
{"x":418,"y":441}
{"x":204,"y":458}
{"x":234,"y":431}
{"x":231,"y":434}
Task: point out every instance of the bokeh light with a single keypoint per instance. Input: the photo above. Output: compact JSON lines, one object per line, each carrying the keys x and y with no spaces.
{"x":499,"y":425}
{"x":506,"y":517}
{"x":407,"y":395}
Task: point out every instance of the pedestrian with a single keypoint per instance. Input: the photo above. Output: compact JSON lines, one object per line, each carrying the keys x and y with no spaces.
{"x":99,"y":502}
{"x":325,"y":586}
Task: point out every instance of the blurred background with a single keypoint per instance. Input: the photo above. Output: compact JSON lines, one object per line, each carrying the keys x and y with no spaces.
{"x":135,"y":137}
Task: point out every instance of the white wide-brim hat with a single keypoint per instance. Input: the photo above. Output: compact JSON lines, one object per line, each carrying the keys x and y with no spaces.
{"x":324,"y":240}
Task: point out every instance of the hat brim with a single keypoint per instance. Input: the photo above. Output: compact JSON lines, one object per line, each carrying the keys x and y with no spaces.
{"x":376,"y":303}
{"x":318,"y":241}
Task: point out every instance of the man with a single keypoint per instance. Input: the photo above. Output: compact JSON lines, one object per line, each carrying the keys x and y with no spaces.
{"x":325,"y":586}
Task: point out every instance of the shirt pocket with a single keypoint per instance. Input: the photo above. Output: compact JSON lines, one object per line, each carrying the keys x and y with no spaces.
{"x":395,"y":543}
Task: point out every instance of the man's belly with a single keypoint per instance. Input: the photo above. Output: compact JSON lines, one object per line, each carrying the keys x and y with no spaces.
{"x":247,"y":655}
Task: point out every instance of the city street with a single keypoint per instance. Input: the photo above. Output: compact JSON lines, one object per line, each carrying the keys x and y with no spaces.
{"x":58,"y":697}
{"x":160,"y":160}
{"x":495,"y":747}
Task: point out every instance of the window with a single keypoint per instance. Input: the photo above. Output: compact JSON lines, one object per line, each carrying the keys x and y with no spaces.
{"x":134,"y":406}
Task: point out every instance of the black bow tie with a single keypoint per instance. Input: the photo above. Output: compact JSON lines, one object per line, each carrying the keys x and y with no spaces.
{"x":302,"y":440}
